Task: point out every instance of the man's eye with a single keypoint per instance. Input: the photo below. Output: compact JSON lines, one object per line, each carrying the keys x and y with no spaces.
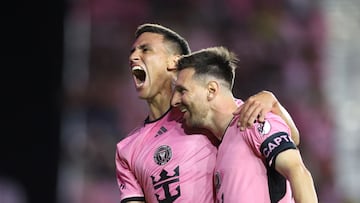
{"x":182,"y":91}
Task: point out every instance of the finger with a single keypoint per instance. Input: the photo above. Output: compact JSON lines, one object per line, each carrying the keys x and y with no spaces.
{"x":245,"y":106}
{"x":261,"y":116}
{"x":238,"y":110}
{"x":251,"y":112}
{"x":242,"y":114}
{"x":254,"y":116}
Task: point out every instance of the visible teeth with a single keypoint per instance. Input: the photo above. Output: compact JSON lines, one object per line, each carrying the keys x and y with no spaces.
{"x":139,"y":74}
{"x":137,"y":68}
{"x":183,"y":110}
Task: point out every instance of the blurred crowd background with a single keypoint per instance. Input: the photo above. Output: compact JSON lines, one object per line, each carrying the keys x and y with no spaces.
{"x":305,"y":51}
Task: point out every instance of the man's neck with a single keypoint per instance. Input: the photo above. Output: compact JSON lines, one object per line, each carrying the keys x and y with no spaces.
{"x":222,"y":115}
{"x":158,"y":106}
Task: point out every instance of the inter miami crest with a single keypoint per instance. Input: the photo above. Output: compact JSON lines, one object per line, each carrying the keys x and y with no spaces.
{"x":162,"y":155}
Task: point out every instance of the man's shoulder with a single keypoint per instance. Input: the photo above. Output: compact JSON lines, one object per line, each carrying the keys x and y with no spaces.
{"x":129,"y":137}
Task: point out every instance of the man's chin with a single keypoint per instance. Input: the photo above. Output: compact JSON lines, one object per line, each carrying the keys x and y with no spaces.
{"x":188,"y":128}
{"x":190,"y":124}
{"x":141,"y":94}
{"x":142,"y":97}
{"x":187,"y":122}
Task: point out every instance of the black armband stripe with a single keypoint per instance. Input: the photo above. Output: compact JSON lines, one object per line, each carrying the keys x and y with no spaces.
{"x":275,"y":144}
{"x":132,"y":199}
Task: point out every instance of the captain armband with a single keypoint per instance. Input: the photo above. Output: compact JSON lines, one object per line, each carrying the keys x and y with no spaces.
{"x":275,"y":144}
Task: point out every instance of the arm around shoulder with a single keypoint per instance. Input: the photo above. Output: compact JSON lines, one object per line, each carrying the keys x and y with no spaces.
{"x":284,"y":114}
{"x":258,"y":105}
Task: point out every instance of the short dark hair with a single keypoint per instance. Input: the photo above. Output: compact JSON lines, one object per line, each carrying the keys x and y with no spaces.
{"x":215,"y":61}
{"x":180,"y":45}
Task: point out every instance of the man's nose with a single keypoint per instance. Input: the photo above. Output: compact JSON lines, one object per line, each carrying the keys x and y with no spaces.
{"x":134,"y":56}
{"x":175,"y":100}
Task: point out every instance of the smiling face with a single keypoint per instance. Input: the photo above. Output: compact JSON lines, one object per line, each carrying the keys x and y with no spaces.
{"x":151,"y":65}
{"x":190,"y":96}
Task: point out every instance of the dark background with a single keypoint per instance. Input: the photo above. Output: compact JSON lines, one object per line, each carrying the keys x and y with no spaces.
{"x":281,"y":45}
{"x":31,"y":77}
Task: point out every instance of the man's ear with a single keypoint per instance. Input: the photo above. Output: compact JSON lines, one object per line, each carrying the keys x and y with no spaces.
{"x":212,"y":89}
{"x":172,"y":62}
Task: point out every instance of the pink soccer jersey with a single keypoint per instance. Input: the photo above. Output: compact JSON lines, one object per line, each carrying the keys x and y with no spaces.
{"x":244,"y":170}
{"x":160,"y":163}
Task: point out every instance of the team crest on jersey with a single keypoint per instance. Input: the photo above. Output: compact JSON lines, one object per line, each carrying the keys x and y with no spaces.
{"x":162,"y":155}
{"x":264,"y":128}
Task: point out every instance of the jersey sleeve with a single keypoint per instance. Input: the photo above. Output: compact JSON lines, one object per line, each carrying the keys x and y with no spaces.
{"x":129,"y":187}
{"x":270,"y":138}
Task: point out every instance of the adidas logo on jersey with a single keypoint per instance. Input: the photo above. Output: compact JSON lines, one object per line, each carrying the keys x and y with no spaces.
{"x":161,"y":131}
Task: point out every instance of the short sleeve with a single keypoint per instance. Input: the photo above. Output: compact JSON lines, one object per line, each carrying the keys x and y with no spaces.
{"x":129,"y":187}
{"x":270,"y":138}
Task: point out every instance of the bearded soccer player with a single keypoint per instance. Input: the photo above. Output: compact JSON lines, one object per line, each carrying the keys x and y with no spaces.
{"x":260,"y":164}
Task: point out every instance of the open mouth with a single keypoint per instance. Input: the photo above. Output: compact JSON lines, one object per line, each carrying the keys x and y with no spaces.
{"x":183,"y":109}
{"x":139,"y":74}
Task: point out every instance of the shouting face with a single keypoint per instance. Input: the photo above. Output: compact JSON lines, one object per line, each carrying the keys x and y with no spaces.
{"x":150,"y":64}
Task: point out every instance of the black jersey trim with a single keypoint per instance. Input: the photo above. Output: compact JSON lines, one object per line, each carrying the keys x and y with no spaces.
{"x":275,"y":144}
{"x":129,"y":199}
{"x":147,"y":120}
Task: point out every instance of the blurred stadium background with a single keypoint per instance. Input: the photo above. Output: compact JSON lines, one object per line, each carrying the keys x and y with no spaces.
{"x":74,"y":97}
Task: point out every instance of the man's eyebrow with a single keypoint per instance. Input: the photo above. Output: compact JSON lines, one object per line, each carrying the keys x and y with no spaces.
{"x":142,"y":46}
{"x":132,"y":50}
{"x":179,"y":87}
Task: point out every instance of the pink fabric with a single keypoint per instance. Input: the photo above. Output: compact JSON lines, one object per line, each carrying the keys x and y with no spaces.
{"x":240,"y":172}
{"x":159,"y":161}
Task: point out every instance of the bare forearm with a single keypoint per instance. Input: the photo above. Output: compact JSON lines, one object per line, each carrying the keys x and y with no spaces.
{"x":302,"y":187}
{"x":289,"y":164}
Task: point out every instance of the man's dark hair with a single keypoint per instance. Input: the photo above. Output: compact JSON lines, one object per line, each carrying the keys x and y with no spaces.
{"x":215,"y":61}
{"x":179,"y":44}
